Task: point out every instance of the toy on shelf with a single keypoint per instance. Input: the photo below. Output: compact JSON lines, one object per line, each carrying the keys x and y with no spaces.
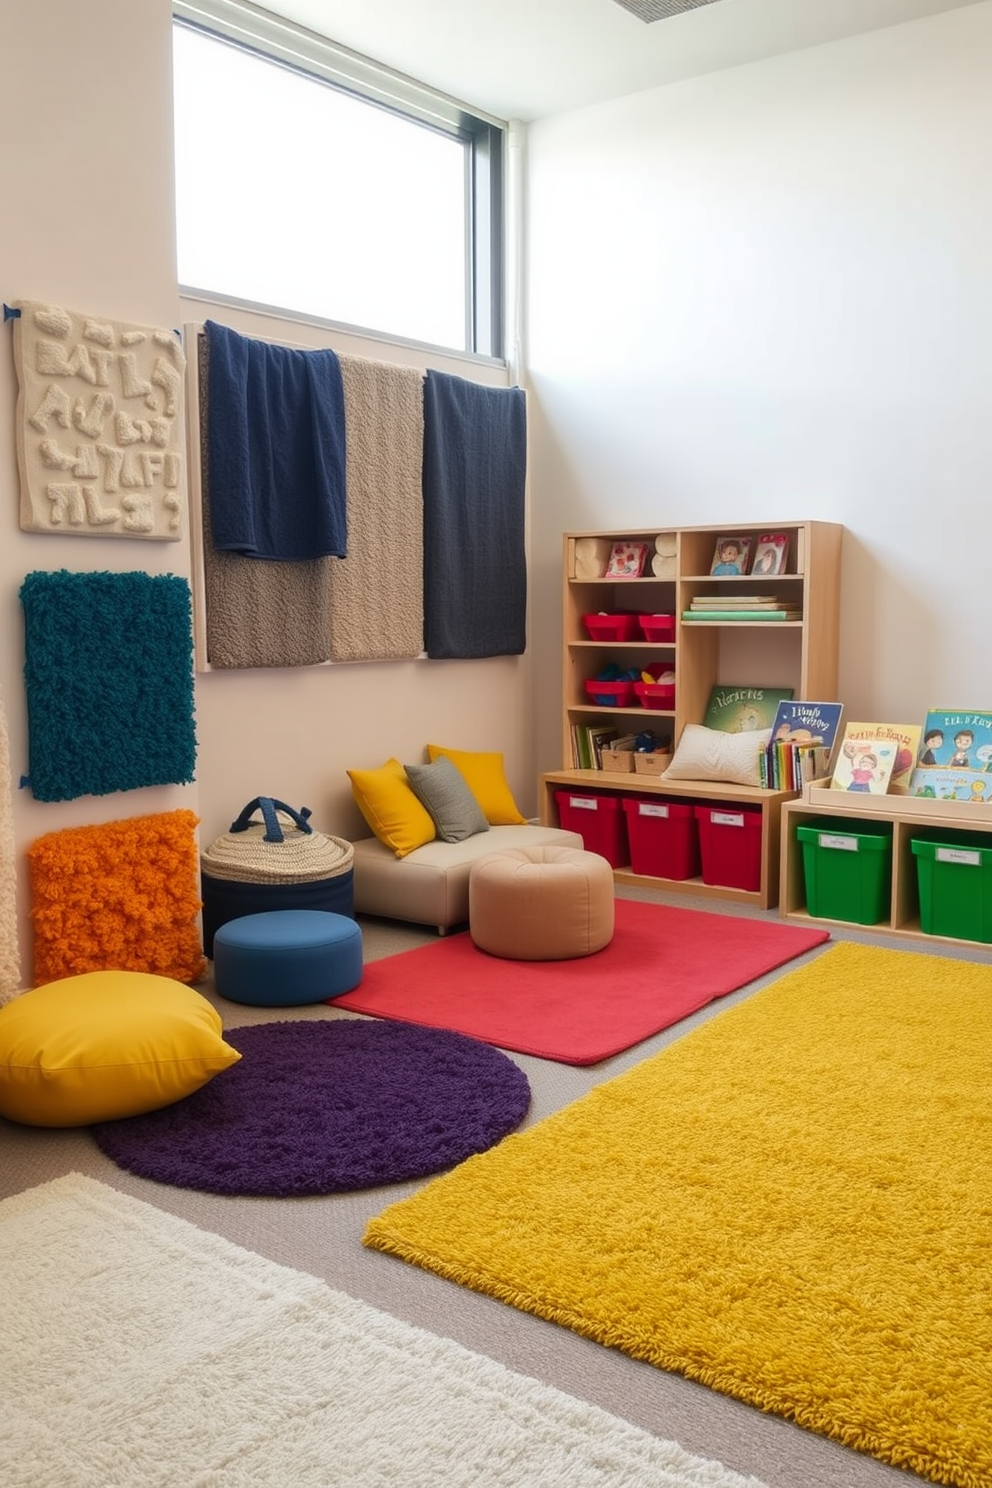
{"x":656,"y":688}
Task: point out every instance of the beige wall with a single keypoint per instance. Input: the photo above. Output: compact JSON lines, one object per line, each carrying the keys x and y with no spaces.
{"x":86,"y":181}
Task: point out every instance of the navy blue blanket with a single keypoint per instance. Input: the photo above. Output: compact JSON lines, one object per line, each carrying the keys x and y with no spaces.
{"x":277,"y":449}
{"x":475,"y":571}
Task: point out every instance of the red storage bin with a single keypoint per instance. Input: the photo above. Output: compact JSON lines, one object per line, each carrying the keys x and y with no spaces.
{"x":611,"y":694}
{"x":621,"y":627}
{"x":599,"y":820}
{"x":655,"y":694}
{"x":663,"y":837}
{"x":730,"y":845}
{"x":657,"y":627}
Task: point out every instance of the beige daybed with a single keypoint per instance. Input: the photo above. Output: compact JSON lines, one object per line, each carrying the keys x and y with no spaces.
{"x":429,"y":886}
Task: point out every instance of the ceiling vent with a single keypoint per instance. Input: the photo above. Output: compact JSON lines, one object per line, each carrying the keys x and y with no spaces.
{"x":660,"y":10}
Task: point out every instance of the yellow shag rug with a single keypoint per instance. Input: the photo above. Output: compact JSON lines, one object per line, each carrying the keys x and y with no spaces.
{"x":792,"y":1204}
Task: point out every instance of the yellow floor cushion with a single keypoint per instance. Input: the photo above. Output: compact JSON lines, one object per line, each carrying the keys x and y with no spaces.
{"x":106,"y":1044}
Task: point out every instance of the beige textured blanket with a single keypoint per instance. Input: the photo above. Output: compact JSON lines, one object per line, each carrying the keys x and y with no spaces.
{"x":377,"y":592}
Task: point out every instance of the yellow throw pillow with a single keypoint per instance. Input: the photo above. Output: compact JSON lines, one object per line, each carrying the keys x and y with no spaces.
{"x":106,"y":1044}
{"x":388,"y":804}
{"x":486,"y":780}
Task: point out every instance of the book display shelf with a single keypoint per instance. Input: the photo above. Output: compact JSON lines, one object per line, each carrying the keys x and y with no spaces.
{"x":736,"y":650}
{"x":960,"y":887}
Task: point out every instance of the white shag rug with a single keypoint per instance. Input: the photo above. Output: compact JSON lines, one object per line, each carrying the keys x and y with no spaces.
{"x":141,"y":1352}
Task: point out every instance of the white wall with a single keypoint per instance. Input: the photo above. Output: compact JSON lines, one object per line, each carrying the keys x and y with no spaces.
{"x":766,"y":293}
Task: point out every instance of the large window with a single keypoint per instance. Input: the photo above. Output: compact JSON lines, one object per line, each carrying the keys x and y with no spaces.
{"x":310,"y":181}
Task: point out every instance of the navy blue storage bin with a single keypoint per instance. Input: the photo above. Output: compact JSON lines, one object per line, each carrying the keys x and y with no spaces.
{"x":277,"y":863}
{"x":224,"y":900}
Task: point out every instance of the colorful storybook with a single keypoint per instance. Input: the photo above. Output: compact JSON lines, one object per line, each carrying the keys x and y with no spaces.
{"x":627,"y":560}
{"x":936,"y":784}
{"x":955,"y":756}
{"x":803,"y":722}
{"x":770,"y":553}
{"x":907,"y":739}
{"x":864,"y":765}
{"x":730,"y":556}
{"x":742,"y":710}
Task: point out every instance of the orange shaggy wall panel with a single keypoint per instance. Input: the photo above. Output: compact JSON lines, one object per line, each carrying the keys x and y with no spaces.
{"x":123,"y":896}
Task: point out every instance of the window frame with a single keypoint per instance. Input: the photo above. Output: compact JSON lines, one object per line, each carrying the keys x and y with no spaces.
{"x":275,"y":39}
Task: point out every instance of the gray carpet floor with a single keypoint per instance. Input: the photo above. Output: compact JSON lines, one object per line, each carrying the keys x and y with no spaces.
{"x":323,"y":1236}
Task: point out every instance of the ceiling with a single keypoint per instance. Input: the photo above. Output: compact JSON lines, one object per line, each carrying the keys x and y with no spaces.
{"x":526,"y":59}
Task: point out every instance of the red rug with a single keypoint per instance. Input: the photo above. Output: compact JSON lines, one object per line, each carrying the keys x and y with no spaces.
{"x":662,"y":964}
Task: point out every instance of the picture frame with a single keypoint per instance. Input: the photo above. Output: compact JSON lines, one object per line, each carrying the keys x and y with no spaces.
{"x":730,"y":556}
{"x":770,"y":553}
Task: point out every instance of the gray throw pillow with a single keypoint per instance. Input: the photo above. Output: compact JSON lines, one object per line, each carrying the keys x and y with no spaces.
{"x":441,"y":788}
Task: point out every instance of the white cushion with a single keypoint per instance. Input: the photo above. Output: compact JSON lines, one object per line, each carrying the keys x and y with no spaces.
{"x":711,"y":754}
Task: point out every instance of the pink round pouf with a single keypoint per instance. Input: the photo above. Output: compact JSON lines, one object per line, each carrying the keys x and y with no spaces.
{"x":541,"y":903}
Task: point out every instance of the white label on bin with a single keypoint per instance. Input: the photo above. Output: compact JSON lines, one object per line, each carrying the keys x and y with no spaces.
{"x":958,"y":855}
{"x":583,"y":803}
{"x":846,"y":844}
{"x":648,"y":808}
{"x":727,"y":818}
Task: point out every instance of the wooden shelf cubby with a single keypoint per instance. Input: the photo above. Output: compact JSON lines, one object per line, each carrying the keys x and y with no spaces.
{"x":801,"y":654}
{"x":770,"y":804}
{"x":908,"y":816}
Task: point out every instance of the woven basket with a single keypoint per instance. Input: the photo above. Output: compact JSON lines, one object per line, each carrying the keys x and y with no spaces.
{"x":282,"y":848}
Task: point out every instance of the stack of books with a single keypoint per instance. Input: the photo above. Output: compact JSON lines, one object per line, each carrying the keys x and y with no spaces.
{"x":746,"y":607}
{"x":589,"y":740}
{"x":801,"y":745}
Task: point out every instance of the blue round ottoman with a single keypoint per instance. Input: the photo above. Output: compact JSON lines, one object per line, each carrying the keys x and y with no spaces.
{"x":287,"y":956}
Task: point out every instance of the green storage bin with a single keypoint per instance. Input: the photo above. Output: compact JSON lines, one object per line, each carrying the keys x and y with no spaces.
{"x":848,"y":869}
{"x":954,"y":870}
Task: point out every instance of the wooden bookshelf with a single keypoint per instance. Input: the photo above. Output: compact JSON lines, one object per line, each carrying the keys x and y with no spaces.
{"x":800,"y":653}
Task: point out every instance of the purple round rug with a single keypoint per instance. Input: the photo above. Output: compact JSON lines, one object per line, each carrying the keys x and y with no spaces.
{"x":326,"y":1106}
